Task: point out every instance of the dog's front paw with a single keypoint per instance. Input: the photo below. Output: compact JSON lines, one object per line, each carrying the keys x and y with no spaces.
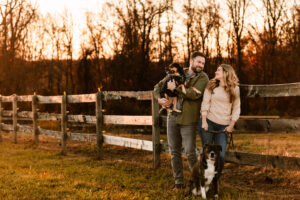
{"x":196,"y":192}
{"x":203,"y":193}
{"x":216,"y":196}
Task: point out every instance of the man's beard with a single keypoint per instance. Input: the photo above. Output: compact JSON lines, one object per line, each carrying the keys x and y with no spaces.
{"x":195,"y":69}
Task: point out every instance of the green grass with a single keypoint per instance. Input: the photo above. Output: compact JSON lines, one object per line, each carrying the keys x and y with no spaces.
{"x":31,"y":172}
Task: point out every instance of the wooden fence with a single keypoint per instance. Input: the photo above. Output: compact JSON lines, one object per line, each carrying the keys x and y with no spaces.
{"x":99,"y":119}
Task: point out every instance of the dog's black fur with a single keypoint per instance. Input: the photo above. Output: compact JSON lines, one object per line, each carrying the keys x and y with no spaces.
{"x":198,"y":179}
{"x":178,"y":76}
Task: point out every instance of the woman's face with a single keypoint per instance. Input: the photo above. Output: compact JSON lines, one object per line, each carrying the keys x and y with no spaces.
{"x":219,"y":73}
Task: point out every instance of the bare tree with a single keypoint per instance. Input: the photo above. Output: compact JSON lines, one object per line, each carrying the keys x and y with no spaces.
{"x":67,"y":30}
{"x":274,"y":12}
{"x":208,"y":19}
{"x":272,"y":26}
{"x":55,"y":34}
{"x":201,"y":20}
{"x":237,"y":10}
{"x":96,"y":40}
{"x":16,"y":16}
{"x":136,"y":22}
{"x":165,"y":35}
{"x":168,"y":50}
{"x":189,"y":10}
{"x":229,"y":45}
{"x":217,"y":30}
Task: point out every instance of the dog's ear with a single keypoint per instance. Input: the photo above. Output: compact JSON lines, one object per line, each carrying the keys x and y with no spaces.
{"x":219,"y":148}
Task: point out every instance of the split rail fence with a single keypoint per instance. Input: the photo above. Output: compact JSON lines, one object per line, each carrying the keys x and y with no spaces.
{"x":99,"y":119}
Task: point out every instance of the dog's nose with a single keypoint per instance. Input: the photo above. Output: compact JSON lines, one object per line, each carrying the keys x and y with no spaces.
{"x":212,"y":155}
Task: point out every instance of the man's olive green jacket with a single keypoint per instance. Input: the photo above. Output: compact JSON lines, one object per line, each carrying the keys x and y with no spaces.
{"x":191,"y":100}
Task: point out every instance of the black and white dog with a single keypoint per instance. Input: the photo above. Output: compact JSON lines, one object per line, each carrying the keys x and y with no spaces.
{"x":206,"y":171}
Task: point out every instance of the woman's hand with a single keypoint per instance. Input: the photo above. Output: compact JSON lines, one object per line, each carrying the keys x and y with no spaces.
{"x":204,"y":125}
{"x":229,"y":129}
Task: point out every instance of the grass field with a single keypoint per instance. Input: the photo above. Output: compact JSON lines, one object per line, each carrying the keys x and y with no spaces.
{"x":41,"y":172}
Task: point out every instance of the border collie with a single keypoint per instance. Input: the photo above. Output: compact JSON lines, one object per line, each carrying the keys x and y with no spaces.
{"x":206,"y":171}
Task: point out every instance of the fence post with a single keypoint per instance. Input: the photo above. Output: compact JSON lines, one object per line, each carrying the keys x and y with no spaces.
{"x":99,"y":124}
{"x":0,"y":118}
{"x":15,"y":113}
{"x":34,"y":119}
{"x":155,"y":132}
{"x":64,"y":135}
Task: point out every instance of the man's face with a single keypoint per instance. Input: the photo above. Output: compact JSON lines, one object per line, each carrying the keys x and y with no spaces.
{"x":197,"y":64}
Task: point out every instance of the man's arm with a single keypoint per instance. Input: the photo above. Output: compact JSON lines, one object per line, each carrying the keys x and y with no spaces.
{"x":157,"y":91}
{"x":158,"y":88}
{"x":196,"y":91}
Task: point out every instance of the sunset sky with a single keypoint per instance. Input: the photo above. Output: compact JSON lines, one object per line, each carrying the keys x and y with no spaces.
{"x":78,"y":8}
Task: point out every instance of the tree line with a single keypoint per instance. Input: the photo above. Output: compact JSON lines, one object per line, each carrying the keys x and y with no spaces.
{"x":127,"y":44}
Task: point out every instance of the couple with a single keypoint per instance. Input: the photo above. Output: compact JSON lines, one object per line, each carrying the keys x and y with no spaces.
{"x":220,"y":110}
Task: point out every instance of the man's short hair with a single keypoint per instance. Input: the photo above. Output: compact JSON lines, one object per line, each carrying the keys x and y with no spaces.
{"x":196,"y":54}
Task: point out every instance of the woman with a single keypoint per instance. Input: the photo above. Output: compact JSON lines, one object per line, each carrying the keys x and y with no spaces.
{"x":220,"y":107}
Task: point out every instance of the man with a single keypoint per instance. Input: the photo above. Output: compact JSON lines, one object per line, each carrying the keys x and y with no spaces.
{"x":181,"y":127}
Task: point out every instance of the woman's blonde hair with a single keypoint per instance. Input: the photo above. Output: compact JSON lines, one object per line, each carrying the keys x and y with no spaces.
{"x":230,"y":81}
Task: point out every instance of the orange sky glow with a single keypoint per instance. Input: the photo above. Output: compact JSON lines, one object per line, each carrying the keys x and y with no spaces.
{"x":78,"y":8}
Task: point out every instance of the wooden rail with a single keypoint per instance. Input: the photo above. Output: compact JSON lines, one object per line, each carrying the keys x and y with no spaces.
{"x":275,"y":90}
{"x":99,"y":119}
{"x":243,"y":158}
{"x":261,"y":160}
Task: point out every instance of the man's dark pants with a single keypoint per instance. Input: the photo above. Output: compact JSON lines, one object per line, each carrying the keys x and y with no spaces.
{"x":179,"y":135}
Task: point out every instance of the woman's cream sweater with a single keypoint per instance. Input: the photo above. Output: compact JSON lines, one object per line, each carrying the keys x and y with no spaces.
{"x":217,"y":107}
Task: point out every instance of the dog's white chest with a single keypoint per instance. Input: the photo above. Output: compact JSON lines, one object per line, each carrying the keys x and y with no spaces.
{"x":210,"y":172}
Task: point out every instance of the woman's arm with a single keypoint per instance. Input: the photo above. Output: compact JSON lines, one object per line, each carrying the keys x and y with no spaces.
{"x":236,"y":110}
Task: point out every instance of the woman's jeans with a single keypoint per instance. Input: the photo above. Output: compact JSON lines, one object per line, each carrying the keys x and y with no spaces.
{"x":219,"y":138}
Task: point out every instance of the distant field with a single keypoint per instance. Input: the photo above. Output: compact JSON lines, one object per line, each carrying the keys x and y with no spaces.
{"x":31,"y":172}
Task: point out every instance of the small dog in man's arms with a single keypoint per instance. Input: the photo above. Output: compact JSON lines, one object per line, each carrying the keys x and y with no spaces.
{"x":206,"y":172}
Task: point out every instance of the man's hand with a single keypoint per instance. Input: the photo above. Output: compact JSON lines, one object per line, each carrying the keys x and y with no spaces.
{"x":171,"y":85}
{"x":164,"y":102}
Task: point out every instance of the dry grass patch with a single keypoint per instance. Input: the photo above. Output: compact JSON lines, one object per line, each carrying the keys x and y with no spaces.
{"x":41,"y":172}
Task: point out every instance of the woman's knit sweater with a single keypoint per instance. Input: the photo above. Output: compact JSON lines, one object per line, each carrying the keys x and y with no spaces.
{"x":217,"y":107}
